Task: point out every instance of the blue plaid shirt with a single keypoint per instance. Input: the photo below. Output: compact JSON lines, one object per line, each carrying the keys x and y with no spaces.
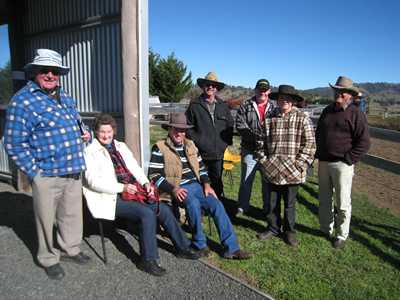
{"x":42,"y":134}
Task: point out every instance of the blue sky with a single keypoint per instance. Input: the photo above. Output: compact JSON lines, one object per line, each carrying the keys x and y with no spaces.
{"x":4,"y":46}
{"x":304,"y":43}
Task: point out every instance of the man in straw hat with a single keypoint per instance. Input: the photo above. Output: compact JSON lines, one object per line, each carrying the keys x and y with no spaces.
{"x":177,"y":168}
{"x":212,"y":129}
{"x":250,"y":123}
{"x":45,"y":138}
{"x":342,"y":138}
{"x":288,"y":153}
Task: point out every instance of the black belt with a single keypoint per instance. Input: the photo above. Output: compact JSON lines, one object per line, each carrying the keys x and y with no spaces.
{"x":75,"y":176}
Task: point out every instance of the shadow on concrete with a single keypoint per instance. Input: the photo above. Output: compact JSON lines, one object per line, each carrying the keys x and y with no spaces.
{"x":16,"y":213}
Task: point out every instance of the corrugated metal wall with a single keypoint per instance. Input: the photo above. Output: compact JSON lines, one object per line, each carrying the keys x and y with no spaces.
{"x":88,"y":36}
{"x":87,"y":33}
{"x":4,"y":165}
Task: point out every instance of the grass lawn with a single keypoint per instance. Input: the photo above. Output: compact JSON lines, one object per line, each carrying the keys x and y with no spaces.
{"x":367,"y":268}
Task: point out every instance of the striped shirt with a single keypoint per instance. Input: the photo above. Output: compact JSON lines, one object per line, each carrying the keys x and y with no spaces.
{"x":42,"y":134}
{"x":157,"y":165}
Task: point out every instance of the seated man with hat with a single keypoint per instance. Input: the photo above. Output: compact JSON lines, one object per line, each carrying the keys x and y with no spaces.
{"x":289,"y":149}
{"x":177,"y":169}
{"x":212,"y":129}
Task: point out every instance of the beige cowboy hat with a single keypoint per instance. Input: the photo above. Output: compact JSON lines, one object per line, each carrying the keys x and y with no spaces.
{"x":47,"y":58}
{"x":288,"y":90}
{"x":177,"y":120}
{"x":211,"y":78}
{"x":345,"y":84}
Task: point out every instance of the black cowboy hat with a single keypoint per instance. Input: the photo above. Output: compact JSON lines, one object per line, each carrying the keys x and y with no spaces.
{"x":287,"y":90}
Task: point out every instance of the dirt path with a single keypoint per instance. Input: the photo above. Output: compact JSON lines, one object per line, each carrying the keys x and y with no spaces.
{"x":382,"y":187}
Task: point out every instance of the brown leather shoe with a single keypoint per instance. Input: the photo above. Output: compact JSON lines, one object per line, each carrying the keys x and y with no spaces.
{"x":339,"y":243}
{"x":205,"y":252}
{"x":239,"y":254}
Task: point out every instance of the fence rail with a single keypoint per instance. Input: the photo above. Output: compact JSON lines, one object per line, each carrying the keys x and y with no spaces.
{"x":163,"y":109}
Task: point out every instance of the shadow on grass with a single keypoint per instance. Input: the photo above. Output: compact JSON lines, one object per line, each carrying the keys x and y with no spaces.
{"x":390,"y":242}
{"x":357,"y":224}
{"x":254,"y":212}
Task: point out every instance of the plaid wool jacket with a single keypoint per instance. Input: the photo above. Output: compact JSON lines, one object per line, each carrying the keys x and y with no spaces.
{"x":289,"y":147}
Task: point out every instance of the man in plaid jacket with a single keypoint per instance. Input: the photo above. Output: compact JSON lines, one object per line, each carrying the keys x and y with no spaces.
{"x":288,"y":153}
{"x":45,"y":138}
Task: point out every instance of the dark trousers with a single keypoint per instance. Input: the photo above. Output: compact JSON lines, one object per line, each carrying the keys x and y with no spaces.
{"x":145,"y":215}
{"x":214,"y":168}
{"x":274,"y":219}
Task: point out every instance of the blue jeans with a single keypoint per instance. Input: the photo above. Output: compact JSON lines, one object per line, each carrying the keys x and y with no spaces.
{"x":194,"y":202}
{"x":145,"y":215}
{"x":249,"y":166}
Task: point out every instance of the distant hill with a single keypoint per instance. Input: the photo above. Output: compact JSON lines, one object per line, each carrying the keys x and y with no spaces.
{"x":386,"y":94}
{"x":371,"y":88}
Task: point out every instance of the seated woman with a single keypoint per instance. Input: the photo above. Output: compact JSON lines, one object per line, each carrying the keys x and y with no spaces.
{"x":116,"y":186}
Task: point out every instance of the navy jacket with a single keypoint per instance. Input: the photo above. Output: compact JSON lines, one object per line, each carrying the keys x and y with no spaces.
{"x":211,"y":137}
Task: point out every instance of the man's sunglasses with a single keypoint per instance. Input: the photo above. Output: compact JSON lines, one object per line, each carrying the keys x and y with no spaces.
{"x":47,"y":70}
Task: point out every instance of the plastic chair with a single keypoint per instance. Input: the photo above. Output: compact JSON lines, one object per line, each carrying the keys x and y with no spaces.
{"x":229,"y":163}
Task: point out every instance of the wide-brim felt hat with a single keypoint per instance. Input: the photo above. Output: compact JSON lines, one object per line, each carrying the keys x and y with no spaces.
{"x":211,"y":78}
{"x":177,"y":120}
{"x":47,"y":58}
{"x":287,"y":90}
{"x":345,"y":84}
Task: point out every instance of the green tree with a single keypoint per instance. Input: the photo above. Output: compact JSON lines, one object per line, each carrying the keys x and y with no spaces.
{"x":154,"y":59}
{"x":168,"y":78}
{"x":6,"y":88}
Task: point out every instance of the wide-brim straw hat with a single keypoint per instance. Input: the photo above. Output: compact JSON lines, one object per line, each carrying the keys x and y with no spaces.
{"x":177,"y":120}
{"x":211,"y":78}
{"x":47,"y":58}
{"x":288,"y":90}
{"x":345,"y":84}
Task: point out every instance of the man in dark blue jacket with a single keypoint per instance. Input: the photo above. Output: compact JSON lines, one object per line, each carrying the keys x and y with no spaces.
{"x":212,"y":129}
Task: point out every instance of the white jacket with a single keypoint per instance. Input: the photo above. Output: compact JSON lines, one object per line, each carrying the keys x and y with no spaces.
{"x":100,"y":185}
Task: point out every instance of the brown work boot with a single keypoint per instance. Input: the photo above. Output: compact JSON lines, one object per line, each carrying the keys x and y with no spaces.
{"x":290,"y":238}
{"x":266,"y":235}
{"x":205,"y":252}
{"x":239,"y":254}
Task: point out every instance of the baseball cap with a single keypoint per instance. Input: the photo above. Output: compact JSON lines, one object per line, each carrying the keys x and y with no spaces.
{"x":262,"y":84}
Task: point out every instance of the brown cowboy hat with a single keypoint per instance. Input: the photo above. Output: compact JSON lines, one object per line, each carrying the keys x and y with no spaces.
{"x":287,"y":90}
{"x":211,"y":78}
{"x":177,"y":120}
{"x":345,"y":84}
